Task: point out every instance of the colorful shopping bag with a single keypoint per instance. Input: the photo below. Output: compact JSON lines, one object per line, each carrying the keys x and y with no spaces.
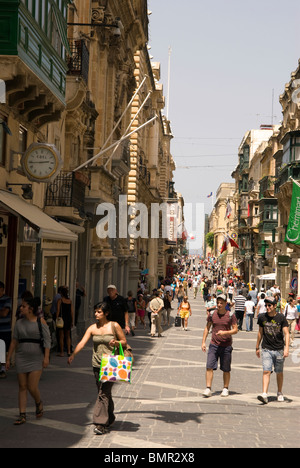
{"x":115,"y":368}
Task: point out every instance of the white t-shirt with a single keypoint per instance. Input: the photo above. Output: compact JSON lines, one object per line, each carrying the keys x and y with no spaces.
{"x":261,"y":307}
{"x":291,"y":312}
{"x":249,"y":305}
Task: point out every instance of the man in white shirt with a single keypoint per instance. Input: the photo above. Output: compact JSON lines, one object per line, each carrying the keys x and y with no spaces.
{"x":156,"y":307}
{"x":261,"y":306}
{"x":249,"y":311}
{"x":195,"y":286}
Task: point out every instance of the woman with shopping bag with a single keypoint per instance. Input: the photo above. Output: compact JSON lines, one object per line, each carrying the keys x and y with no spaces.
{"x":106,"y":336}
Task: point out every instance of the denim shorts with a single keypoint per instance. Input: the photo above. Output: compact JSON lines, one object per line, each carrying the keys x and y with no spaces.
{"x":272,"y":358}
{"x":223,"y":353}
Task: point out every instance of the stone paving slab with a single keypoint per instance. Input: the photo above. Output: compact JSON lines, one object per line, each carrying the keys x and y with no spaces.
{"x":163,"y":408}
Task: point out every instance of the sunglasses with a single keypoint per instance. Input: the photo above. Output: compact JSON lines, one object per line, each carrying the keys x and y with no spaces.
{"x":269,"y":305}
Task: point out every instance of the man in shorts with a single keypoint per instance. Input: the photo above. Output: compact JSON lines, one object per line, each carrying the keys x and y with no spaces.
{"x":274,"y":334}
{"x":224,"y":325}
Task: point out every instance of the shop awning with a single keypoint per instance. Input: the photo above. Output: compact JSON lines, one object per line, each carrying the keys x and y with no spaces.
{"x":268,"y":277}
{"x":46,"y":227}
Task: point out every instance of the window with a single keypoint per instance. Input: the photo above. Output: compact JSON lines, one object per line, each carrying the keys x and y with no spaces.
{"x":291,"y":149}
{"x":270,"y":213}
{"x":29,"y":5}
{"x":295,"y":149}
{"x":2,"y":92}
{"x":245,"y":183}
{"x":246,"y":152}
{"x":2,"y":143}
{"x":37,"y":11}
{"x":22,"y":139}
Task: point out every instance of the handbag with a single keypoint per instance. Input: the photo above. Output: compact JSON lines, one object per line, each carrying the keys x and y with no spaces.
{"x":115,"y":368}
{"x":59,"y":322}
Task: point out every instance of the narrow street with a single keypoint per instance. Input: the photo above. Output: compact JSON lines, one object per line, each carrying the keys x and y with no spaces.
{"x":163,"y":408}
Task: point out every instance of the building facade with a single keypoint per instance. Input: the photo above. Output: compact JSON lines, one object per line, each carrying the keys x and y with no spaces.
{"x":71,"y":81}
{"x":37,"y":252}
{"x":220,"y":223}
{"x":269,"y":163}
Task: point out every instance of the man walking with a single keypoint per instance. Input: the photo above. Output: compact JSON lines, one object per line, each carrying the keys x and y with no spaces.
{"x":195,"y":286}
{"x":239,"y":309}
{"x":274,"y":334}
{"x":156,"y":307}
{"x":118,"y":306}
{"x":223,"y":327}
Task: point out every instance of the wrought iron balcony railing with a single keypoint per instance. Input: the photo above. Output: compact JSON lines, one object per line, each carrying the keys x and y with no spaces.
{"x":78,"y":61}
{"x":67,"y":190}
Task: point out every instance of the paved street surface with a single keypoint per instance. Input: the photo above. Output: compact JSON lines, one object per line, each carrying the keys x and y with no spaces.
{"x":163,"y":408}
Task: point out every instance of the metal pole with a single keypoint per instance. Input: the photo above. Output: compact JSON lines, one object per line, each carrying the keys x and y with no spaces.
{"x":114,"y":144}
{"x":129,"y":105}
{"x":128,"y":128}
{"x":169,"y":80}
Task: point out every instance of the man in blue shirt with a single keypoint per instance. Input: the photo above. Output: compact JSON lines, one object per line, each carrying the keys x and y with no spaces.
{"x":5,"y":323}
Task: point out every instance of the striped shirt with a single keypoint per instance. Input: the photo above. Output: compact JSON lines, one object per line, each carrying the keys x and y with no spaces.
{"x":5,"y":322}
{"x":240,"y":302}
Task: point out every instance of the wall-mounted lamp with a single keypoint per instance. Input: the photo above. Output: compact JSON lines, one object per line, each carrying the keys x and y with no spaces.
{"x":5,"y":127}
{"x":27,"y":190}
{"x":117,"y":27}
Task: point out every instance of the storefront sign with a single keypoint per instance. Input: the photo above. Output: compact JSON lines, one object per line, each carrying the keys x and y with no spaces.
{"x":283,"y":260}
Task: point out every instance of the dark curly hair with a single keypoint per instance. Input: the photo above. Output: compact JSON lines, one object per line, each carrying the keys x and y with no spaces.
{"x":33,"y":302}
{"x":105,"y":307}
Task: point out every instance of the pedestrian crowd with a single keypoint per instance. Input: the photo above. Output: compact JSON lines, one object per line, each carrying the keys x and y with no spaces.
{"x":228,"y":301}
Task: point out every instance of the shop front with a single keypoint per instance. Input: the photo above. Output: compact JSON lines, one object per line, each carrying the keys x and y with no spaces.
{"x":37,"y":253}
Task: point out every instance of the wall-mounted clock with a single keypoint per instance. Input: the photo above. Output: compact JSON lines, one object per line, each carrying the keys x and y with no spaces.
{"x":41,"y":162}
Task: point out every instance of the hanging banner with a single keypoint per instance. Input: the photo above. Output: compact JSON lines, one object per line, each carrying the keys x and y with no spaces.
{"x":293,"y":229}
{"x":172,"y":226}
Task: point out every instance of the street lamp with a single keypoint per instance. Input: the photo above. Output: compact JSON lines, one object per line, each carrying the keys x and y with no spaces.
{"x":27,"y":190}
{"x":117,"y":26}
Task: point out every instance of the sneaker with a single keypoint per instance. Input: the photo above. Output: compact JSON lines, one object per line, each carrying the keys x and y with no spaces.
{"x":225,"y":392}
{"x":280,"y":397}
{"x":207,"y":393}
{"x":263,"y":398}
{"x":3,"y":375}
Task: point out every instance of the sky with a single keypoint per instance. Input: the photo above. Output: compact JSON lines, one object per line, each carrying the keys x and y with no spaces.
{"x":227,"y":57}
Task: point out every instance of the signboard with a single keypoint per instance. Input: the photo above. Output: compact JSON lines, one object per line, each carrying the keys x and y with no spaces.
{"x":283,"y":260}
{"x":293,"y":229}
{"x":172,"y":223}
{"x":269,"y":253}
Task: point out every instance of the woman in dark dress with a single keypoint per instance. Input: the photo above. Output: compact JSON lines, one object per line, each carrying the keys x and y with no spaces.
{"x":66,"y":311}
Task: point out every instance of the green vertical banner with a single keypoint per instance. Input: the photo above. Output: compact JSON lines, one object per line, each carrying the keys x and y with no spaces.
{"x":293,"y":229}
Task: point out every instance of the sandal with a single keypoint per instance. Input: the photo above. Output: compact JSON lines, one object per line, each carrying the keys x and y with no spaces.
{"x":100,"y":430}
{"x":39,"y":410}
{"x":21,"y":419}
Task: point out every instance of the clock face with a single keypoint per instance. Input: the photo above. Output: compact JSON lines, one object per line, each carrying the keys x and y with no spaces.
{"x":41,"y":162}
